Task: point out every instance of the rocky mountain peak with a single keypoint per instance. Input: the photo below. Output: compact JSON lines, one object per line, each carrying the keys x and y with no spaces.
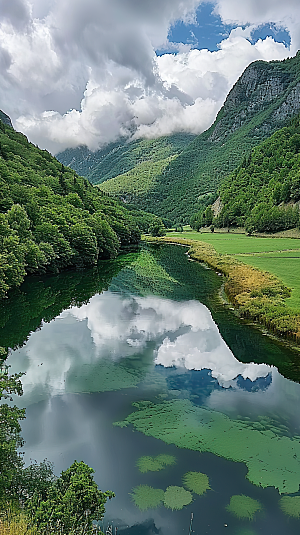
{"x":261,"y":85}
{"x":5,"y":119}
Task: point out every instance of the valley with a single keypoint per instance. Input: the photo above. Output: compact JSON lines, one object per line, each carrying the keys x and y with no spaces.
{"x":142,"y":358}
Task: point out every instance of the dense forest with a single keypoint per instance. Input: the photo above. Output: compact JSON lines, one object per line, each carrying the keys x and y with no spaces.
{"x":263,"y":193}
{"x":51,"y":219}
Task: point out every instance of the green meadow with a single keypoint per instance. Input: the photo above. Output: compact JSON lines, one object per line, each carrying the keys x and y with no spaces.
{"x":279,"y":256}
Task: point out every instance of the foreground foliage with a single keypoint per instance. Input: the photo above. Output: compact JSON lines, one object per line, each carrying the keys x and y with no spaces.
{"x":70,"y":503}
{"x":33,"y":496}
{"x":15,"y":524}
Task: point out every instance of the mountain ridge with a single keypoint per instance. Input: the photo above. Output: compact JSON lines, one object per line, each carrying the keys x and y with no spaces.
{"x":263,"y":100}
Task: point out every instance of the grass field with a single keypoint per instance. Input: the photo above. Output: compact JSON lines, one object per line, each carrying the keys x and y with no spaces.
{"x":280,"y":256}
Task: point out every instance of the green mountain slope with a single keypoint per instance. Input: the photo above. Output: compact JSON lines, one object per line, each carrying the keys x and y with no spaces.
{"x":50,"y":218}
{"x":263,"y":194}
{"x":263,"y":100}
{"x":120,"y":157}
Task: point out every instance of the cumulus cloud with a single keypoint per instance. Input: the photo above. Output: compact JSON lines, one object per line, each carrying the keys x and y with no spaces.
{"x":284,"y":14}
{"x":75,"y":72}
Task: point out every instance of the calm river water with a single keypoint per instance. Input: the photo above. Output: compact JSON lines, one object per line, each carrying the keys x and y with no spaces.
{"x":221,"y":398}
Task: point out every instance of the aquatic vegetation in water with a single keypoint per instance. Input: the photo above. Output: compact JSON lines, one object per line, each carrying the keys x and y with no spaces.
{"x":290,"y":505}
{"x":147,"y":266}
{"x":104,"y":376}
{"x":146,"y":497}
{"x":272,"y":460}
{"x":145,"y":275}
{"x":154,"y":464}
{"x":177,"y":498}
{"x":243,"y":506}
{"x":196,"y":482}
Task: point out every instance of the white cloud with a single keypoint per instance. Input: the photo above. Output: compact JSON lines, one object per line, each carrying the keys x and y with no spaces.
{"x":97,"y":59}
{"x":285,"y":14}
{"x":112,"y":327}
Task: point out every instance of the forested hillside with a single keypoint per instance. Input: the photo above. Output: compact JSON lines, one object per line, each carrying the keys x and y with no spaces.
{"x":50,"y":218}
{"x":263,"y":194}
{"x":262,"y":101}
{"x":122,"y":156}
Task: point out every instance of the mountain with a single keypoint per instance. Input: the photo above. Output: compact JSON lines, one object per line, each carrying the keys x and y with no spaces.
{"x":263,"y":193}
{"x":122,"y":156}
{"x":263,"y":100}
{"x":5,"y":119}
{"x":52,"y":219}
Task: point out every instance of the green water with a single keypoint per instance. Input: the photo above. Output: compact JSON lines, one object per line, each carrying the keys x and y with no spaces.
{"x":138,"y":368}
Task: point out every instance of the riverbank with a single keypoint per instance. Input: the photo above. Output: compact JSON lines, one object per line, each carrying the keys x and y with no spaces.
{"x":257,"y":294}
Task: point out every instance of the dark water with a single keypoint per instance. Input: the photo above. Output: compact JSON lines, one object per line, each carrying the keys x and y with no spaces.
{"x":151,"y":326}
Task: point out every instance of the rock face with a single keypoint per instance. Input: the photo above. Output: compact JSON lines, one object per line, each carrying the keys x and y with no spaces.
{"x":5,"y":119}
{"x":272,"y":87}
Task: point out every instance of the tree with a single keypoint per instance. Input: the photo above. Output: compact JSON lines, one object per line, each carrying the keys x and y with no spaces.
{"x":84,"y":242}
{"x":10,"y":439}
{"x":157,"y":228}
{"x":73,"y":502}
{"x":63,"y":505}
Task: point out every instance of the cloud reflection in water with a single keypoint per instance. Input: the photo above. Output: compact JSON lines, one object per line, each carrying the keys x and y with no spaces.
{"x":113,"y":327}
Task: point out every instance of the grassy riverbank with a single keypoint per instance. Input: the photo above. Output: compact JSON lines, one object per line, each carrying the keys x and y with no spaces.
{"x":277,"y":255}
{"x":257,"y":294}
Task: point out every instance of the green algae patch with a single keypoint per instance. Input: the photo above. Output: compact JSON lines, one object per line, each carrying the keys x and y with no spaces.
{"x":196,"y":482}
{"x":147,"y":266}
{"x":146,"y":276}
{"x":154,"y":464}
{"x":272,"y":460}
{"x":290,"y":505}
{"x":243,"y":507}
{"x":177,"y":497}
{"x":146,"y":497}
{"x":104,"y":376}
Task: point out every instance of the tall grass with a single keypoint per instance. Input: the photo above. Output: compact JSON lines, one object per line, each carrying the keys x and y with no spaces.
{"x":258,"y":295}
{"x":15,"y":525}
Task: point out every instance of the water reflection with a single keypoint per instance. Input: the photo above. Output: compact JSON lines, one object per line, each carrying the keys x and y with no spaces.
{"x":120,"y":348}
{"x":113,"y":342}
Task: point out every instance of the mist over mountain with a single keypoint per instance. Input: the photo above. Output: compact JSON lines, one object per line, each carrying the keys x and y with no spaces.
{"x":264,"y":99}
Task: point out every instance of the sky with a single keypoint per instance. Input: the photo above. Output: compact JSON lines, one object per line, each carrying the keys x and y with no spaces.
{"x":85,"y":72}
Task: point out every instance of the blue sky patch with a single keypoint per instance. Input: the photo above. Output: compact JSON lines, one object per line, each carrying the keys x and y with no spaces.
{"x":209,"y":30}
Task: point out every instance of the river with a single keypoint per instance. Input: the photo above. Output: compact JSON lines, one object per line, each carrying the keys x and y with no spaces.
{"x":190,"y":415}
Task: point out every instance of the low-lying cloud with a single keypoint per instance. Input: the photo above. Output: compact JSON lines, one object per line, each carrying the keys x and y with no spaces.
{"x":75,"y":72}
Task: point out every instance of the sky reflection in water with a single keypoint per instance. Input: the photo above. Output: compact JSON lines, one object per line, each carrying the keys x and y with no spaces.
{"x":182,"y":335}
{"x":129,"y":348}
